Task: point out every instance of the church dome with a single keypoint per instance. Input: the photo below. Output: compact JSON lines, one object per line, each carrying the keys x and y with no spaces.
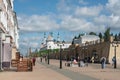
{"x":50,"y":38}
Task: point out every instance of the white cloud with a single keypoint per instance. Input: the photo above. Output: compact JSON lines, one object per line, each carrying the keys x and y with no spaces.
{"x":83,"y":2}
{"x":30,"y":41}
{"x":102,"y":19}
{"x":88,"y":11}
{"x":76,"y":24}
{"x":35,"y":45}
{"x":114,"y":6}
{"x":111,"y":21}
{"x":37,"y":23}
{"x":74,"y":18}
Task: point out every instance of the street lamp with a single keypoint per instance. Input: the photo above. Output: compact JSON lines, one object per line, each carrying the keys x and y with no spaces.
{"x":84,"y":51}
{"x":115,"y":44}
{"x":62,"y":44}
{"x":49,"y":55}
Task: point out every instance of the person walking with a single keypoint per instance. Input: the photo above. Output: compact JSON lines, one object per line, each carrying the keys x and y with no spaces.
{"x":103,"y":61}
{"x":34,"y":60}
{"x":40,"y":59}
{"x":113,"y":61}
{"x":92,"y":59}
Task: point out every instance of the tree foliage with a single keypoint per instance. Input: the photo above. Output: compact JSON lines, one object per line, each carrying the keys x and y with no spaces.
{"x":92,"y":33}
{"x":107,"y":35}
{"x":100,"y":35}
{"x":72,"y":41}
{"x":116,"y":37}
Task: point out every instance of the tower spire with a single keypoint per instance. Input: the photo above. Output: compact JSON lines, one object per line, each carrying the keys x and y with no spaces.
{"x":44,"y":35}
{"x":44,"y":38}
{"x":58,"y":37}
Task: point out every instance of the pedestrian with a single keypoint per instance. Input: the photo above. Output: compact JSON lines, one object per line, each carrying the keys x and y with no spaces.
{"x":113,"y":60}
{"x":78,"y":61}
{"x":92,"y":59}
{"x":34,"y":60}
{"x":82,"y":64}
{"x":103,"y":61}
{"x":41,"y":59}
{"x":86,"y":61}
{"x":46,"y":59}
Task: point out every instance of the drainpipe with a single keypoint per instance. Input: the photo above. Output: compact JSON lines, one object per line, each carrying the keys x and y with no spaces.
{"x":1,"y":53}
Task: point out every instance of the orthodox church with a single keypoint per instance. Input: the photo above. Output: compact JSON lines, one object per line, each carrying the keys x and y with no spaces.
{"x":51,"y":43}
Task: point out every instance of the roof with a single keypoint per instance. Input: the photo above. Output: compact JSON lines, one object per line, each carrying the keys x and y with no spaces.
{"x":89,"y":37}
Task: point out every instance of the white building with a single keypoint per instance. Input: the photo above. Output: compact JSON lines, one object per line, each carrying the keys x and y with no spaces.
{"x":86,"y":38}
{"x":50,"y":43}
{"x":8,"y":33}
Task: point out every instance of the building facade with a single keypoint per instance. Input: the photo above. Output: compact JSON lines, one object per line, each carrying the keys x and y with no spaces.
{"x":51,"y":43}
{"x":86,"y":38}
{"x":8,"y":33}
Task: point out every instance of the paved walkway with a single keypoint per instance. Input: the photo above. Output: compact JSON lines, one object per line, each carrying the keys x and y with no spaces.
{"x":93,"y":70}
{"x":40,"y":72}
{"x":43,"y":71}
{"x":69,"y":73}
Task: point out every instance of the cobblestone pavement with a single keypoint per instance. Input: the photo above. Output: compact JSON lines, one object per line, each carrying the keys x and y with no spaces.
{"x":93,"y":70}
{"x":40,"y":72}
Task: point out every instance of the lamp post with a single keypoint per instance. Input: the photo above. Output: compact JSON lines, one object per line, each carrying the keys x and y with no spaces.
{"x":84,"y":51}
{"x":60,"y":56}
{"x":115,"y":61}
{"x":49,"y":55}
{"x":85,"y":55}
{"x":61,"y":53}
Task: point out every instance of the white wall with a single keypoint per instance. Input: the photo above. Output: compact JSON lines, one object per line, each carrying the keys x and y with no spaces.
{"x":3,"y":19}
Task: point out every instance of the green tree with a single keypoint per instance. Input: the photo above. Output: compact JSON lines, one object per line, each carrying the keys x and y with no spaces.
{"x":72,"y":41}
{"x":92,"y":33}
{"x":116,"y":37}
{"x":79,"y":36}
{"x":75,"y":37}
{"x":107,"y":35}
{"x":100,"y":36}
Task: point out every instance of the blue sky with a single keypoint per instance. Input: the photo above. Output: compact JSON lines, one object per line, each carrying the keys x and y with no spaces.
{"x":68,"y":17}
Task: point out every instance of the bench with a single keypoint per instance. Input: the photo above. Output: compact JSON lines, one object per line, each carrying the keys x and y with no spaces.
{"x":74,"y":64}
